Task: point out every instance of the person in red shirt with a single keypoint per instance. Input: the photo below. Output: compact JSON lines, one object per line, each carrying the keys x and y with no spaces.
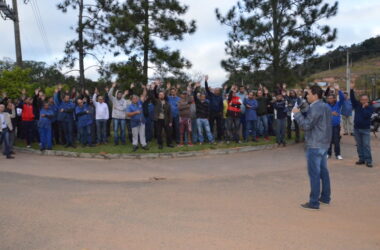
{"x":28,"y":120}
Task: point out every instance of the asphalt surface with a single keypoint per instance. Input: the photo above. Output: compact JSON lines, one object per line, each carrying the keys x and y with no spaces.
{"x":240,"y":201}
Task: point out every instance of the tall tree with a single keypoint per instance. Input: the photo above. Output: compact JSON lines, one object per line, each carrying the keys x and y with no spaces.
{"x":275,"y":34}
{"x":136,"y":26}
{"x":86,"y":29}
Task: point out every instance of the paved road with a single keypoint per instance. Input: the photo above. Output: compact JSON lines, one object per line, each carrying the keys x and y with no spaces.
{"x":241,"y":201}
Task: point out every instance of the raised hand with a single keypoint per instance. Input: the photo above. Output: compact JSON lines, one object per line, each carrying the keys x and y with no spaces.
{"x":126,"y":92}
{"x":168,"y":85}
{"x":197,"y":85}
{"x":106,"y":89}
{"x":352,"y":85}
{"x":59,"y":86}
{"x":96,"y":91}
{"x":178,"y":86}
{"x":87,"y":92}
{"x":206,"y":78}
{"x":114,"y":85}
{"x":36,"y":91}
{"x":132,"y":85}
{"x":336,"y":86}
{"x":23,"y":91}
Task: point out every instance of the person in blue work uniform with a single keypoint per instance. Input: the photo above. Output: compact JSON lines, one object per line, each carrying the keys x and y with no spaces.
{"x":251,"y":105}
{"x":65,"y":116}
{"x":135,"y":111}
{"x":44,"y":127}
{"x":336,"y":107}
{"x":173,"y":100}
{"x":84,"y":120}
{"x":54,"y":122}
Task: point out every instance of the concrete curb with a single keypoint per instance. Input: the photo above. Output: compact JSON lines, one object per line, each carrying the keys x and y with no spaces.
{"x":166,"y":155}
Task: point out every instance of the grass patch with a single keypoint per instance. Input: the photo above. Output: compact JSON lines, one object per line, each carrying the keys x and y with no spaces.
{"x":153,"y":147}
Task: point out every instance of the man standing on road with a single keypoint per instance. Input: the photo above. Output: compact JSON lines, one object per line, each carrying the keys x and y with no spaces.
{"x":362,"y":126}
{"x":5,"y":128}
{"x":317,"y":126}
{"x":347,"y":115}
{"x":119,"y":114}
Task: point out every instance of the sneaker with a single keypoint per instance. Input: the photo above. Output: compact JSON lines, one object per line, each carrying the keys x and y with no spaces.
{"x":360,"y":162}
{"x":28,"y":146}
{"x":328,"y":156}
{"x":369,"y":165}
{"x":324,"y":203}
{"x":135,"y":148}
{"x":307,"y":206}
{"x":339,"y":157}
{"x":171,"y":146}
{"x":10,"y":157}
{"x":145,"y":148}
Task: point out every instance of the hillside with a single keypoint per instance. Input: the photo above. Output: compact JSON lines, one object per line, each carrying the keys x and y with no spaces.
{"x":362,"y":72}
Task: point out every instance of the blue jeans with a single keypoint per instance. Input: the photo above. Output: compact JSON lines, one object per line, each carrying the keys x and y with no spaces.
{"x":194,"y":133}
{"x":280,"y":130}
{"x":251,"y":129}
{"x":243,"y":125}
{"x":4,"y":139}
{"x":363,"y":145}
{"x":119,"y":123}
{"x":204,"y":124}
{"x":318,"y":172}
{"x":101,"y":130}
{"x":85,"y":134}
{"x":68,"y":131}
{"x":45,"y":138}
{"x":271,"y":131}
{"x":263,"y":125}
{"x":233,"y":127}
{"x":149,"y":128}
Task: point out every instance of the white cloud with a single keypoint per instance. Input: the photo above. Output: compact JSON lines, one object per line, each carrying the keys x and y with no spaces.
{"x":356,"y":21}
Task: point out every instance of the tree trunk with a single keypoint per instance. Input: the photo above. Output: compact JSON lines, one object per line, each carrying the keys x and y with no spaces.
{"x":80,"y":46}
{"x":146,"y":41}
{"x":276,"y":45}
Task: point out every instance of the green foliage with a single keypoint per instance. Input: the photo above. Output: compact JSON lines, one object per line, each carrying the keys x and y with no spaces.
{"x":134,"y":27}
{"x":15,"y":80}
{"x":275,"y":34}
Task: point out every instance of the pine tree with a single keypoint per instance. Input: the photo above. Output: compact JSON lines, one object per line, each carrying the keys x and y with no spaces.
{"x":86,"y":29}
{"x":275,"y":34}
{"x":134,"y":27}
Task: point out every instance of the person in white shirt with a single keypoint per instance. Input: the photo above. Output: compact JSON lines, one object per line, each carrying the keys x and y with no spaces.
{"x":101,"y":117}
{"x":5,"y":128}
{"x":119,"y":107}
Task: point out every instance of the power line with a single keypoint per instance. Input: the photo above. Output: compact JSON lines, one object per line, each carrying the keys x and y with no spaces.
{"x":40,"y":25}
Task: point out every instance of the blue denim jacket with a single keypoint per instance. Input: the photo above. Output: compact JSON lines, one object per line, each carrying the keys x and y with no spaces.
{"x":316,"y":124}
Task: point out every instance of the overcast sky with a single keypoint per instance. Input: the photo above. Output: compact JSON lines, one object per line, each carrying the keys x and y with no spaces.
{"x":356,"y":21}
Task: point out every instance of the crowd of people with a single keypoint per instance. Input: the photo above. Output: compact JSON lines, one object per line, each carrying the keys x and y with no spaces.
{"x":180,"y":116}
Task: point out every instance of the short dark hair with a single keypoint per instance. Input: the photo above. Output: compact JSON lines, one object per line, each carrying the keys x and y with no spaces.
{"x":316,"y":90}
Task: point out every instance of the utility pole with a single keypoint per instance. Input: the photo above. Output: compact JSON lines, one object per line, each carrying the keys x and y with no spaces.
{"x":348,"y":73}
{"x":8,"y":13}
{"x":16,"y":25}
